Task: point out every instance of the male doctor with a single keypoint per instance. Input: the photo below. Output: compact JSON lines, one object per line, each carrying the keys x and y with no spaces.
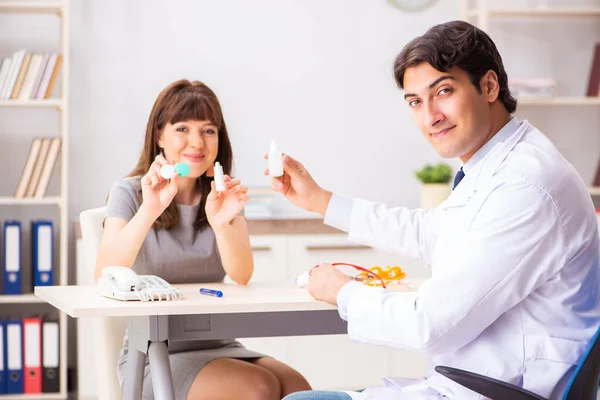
{"x":514,"y":250}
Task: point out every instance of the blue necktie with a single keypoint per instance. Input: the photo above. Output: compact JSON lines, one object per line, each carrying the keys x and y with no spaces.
{"x":459,"y":176}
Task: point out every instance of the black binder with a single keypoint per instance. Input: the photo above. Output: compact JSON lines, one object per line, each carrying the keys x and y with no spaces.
{"x":50,"y":357}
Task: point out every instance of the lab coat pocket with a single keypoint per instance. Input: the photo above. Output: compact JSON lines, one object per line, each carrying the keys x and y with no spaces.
{"x":548,"y":359}
{"x":554,"y":349}
{"x":452,"y":223}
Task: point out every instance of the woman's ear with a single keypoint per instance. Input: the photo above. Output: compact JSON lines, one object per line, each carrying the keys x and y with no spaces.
{"x":159,"y":140}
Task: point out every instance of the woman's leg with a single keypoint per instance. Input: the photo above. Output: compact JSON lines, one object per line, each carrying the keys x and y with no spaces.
{"x":231,"y":379}
{"x":318,"y":395}
{"x":289,"y":379}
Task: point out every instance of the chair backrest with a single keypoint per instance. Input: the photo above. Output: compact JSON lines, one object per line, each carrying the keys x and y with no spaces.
{"x":584,"y":382}
{"x":108,"y":332}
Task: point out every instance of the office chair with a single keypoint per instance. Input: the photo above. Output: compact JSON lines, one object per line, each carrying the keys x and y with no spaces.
{"x":108,"y":331}
{"x":582,"y":386}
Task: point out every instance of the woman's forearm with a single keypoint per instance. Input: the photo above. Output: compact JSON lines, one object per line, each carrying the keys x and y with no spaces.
{"x":124,"y":247}
{"x":236,"y":254}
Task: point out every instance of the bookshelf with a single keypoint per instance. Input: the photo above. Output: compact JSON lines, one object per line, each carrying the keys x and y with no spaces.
{"x":21,"y":9}
{"x":481,"y":14}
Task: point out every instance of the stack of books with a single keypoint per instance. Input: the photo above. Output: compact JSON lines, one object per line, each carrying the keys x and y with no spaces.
{"x":38,"y":168}
{"x":28,"y":76}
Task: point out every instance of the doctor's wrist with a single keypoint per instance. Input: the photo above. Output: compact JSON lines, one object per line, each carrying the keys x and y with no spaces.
{"x":320,"y":202}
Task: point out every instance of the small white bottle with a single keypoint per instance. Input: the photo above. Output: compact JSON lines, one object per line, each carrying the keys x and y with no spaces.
{"x":302,"y":280}
{"x":275,"y":160}
{"x":167,"y":171}
{"x":219,"y":178}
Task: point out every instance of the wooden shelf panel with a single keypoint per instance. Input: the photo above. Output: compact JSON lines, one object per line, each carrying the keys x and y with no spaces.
{"x":34,"y":7}
{"x":56,"y":103}
{"x":41,"y":396}
{"x":8,"y":200}
{"x":19,"y":299}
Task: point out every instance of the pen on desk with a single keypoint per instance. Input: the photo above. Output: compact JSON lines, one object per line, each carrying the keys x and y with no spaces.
{"x":211,"y":292}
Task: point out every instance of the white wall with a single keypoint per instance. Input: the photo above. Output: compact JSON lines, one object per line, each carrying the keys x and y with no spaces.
{"x":314,"y":74}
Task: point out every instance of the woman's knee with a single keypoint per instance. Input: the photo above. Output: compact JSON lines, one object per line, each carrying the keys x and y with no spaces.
{"x":293,"y":382}
{"x":261,"y":385}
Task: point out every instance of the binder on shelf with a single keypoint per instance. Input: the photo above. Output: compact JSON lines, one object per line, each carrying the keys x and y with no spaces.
{"x":34,"y":150}
{"x":2,"y":357}
{"x":32,"y":71}
{"x":14,"y":357}
{"x":50,"y":357}
{"x":32,"y":355}
{"x":37,"y":169}
{"x":594,"y":79}
{"x":39,"y":76}
{"x":4,"y":73}
{"x":46,"y":173}
{"x":12,"y":257}
{"x":42,"y":252}
{"x":53,"y":76}
{"x":20,"y":77}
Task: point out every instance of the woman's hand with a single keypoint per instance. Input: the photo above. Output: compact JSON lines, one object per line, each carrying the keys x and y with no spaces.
{"x":222,"y":207}
{"x":157,"y":192}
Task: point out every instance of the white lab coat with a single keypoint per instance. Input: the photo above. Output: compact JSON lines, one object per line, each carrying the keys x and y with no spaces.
{"x":514,"y":253}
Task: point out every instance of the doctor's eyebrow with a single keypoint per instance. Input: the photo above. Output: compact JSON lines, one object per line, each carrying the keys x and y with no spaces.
{"x":432,"y":84}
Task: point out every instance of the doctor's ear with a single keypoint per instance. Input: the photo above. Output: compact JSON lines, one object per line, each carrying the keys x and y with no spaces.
{"x":490,"y":87}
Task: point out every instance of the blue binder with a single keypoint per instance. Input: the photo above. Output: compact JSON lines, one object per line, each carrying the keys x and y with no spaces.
{"x":42,"y":253}
{"x":14,"y":357}
{"x":3,"y":367}
{"x":12,"y":257}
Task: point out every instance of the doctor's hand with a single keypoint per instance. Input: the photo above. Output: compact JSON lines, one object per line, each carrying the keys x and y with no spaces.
{"x":299,"y":187}
{"x":325,"y":282}
{"x":222,"y":207}
{"x":157,"y":192}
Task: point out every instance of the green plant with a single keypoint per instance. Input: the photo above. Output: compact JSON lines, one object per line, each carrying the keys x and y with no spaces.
{"x":440,"y":173}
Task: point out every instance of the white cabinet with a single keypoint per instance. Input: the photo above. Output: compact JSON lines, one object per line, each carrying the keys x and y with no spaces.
{"x":270,"y":258}
{"x":329,"y":362}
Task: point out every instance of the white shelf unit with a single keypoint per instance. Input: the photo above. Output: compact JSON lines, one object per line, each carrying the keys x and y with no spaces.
{"x":480,"y":16}
{"x":61,"y":9}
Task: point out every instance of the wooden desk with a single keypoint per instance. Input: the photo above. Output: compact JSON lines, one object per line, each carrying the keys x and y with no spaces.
{"x":256,"y":310}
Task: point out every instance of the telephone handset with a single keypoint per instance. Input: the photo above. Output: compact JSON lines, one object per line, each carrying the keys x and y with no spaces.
{"x":122,"y":283}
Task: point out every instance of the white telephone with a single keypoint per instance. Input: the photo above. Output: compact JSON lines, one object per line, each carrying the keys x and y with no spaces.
{"x":121,"y":283}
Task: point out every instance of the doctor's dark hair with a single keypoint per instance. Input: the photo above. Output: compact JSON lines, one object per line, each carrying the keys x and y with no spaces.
{"x":460,"y":44}
{"x":184,"y":100}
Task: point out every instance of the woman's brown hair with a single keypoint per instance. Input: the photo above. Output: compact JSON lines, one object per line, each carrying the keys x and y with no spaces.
{"x":184,"y":101}
{"x":456,"y":43}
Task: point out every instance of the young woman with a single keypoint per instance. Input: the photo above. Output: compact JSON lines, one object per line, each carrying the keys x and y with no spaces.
{"x":184,"y":231}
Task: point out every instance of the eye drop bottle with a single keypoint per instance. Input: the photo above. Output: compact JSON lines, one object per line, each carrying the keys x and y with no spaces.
{"x":275,"y":160}
{"x":219,"y":178}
